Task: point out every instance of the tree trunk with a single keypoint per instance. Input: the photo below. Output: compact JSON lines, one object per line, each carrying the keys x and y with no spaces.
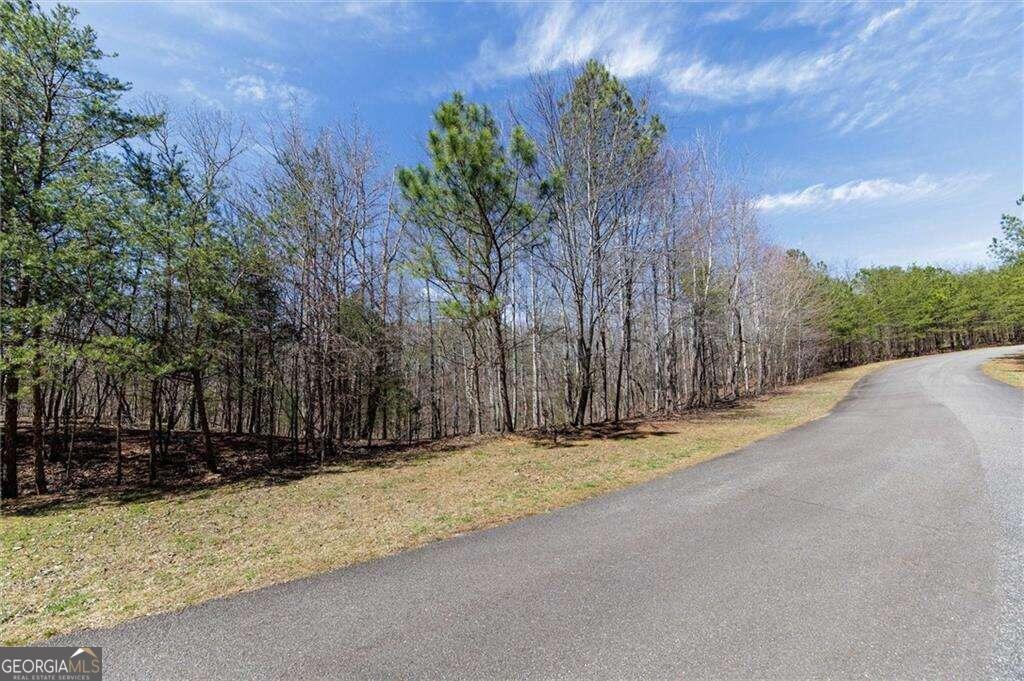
{"x":241,"y":384}
{"x":154,"y":401}
{"x":509,"y":425}
{"x":204,"y":424}
{"x":117,"y":434}
{"x":9,"y":486}
{"x":626,"y":348}
{"x":38,"y":405}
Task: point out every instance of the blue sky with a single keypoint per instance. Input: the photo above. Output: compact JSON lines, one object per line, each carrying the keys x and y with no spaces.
{"x":873,"y":133}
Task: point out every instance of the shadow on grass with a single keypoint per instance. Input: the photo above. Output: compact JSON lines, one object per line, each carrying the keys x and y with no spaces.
{"x":635,"y":429}
{"x":562,"y":438}
{"x":181,"y":474}
{"x":244,"y":460}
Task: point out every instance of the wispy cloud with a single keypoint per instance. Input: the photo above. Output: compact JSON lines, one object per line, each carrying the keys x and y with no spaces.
{"x":265,"y":65}
{"x":630,"y":42}
{"x":257,"y":90}
{"x":811,"y":13}
{"x":870,"y":64}
{"x":820,"y":196}
{"x":726,"y":13}
{"x":190,"y":90}
{"x":840,"y":62}
{"x":879,"y":20}
{"x":262,"y":22}
{"x":221,"y":18}
{"x":722,"y":83}
{"x":377,"y":20}
{"x":878,"y":65}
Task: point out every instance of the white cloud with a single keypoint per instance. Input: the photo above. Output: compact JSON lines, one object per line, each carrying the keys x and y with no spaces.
{"x":633,"y":41}
{"x":754,"y":82}
{"x":880,"y":20}
{"x":871,"y":64}
{"x":785,"y":74}
{"x":625,"y":37}
{"x":813,"y":13}
{"x":274,"y":24}
{"x":726,"y":13}
{"x":256,"y":89}
{"x":863,"y":191}
{"x":266,"y":65}
{"x":169,"y":51}
{"x":248,"y":87}
{"x":219,"y":17}
{"x":377,"y":19}
{"x":188,"y":87}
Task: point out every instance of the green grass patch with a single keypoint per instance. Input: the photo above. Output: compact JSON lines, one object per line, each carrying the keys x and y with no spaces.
{"x":66,"y":606}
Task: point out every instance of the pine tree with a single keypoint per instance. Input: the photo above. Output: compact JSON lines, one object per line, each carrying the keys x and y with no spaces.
{"x":470,"y":205}
{"x":57,"y":112}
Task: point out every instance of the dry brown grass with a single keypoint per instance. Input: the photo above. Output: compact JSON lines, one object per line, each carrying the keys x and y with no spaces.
{"x":1006,"y":369}
{"x":98,"y":562}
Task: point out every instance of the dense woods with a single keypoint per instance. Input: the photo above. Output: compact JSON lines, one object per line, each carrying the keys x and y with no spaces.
{"x":178,"y":272}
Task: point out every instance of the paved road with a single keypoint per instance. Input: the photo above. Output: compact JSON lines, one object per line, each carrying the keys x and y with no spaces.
{"x":882,"y":541}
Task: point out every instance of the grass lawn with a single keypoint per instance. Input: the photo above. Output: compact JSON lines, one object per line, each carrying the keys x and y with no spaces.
{"x":1006,"y":369}
{"x":99,"y":561}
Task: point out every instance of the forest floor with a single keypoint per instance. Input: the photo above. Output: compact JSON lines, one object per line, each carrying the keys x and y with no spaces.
{"x":93,"y":554}
{"x":1006,"y":369}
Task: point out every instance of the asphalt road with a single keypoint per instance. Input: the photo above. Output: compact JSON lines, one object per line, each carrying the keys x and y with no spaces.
{"x":885,"y":540}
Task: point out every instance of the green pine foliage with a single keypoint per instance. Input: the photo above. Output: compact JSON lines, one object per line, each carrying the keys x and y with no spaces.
{"x":889,"y":312}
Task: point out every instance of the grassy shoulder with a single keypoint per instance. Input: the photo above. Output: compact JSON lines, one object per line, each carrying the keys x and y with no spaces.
{"x":96,"y":562}
{"x":1006,"y":369}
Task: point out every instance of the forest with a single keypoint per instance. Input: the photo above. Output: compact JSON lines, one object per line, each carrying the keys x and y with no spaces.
{"x":180,"y":276}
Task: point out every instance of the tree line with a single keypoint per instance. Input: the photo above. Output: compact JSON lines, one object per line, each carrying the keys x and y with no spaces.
{"x":890,"y":312}
{"x":179,"y":273}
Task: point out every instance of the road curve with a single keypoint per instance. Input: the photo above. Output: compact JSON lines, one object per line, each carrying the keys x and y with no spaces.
{"x":885,"y":540}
